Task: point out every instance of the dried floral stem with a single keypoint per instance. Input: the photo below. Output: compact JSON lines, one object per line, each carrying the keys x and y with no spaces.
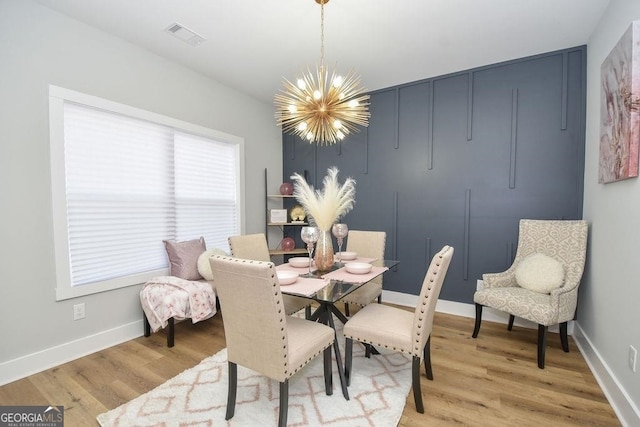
{"x":326,"y":206}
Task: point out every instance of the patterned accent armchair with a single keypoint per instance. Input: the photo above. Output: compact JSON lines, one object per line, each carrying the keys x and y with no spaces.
{"x":563,"y":240}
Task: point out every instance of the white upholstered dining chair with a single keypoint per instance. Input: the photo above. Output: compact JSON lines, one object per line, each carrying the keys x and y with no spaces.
{"x":401,"y":330}
{"x":258,"y":333}
{"x":369,"y":244}
{"x":255,"y":247}
{"x":550,"y":253}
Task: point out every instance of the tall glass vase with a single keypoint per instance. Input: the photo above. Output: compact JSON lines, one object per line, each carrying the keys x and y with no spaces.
{"x":324,"y":251}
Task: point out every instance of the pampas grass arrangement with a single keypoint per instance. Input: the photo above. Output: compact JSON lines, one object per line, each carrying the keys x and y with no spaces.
{"x":326,"y":206}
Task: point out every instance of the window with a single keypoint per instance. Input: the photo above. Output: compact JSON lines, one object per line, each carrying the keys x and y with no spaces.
{"x":125,"y":179}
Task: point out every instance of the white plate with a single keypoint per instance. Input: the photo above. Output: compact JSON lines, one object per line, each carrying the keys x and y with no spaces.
{"x":299,"y":261}
{"x":347,"y":255}
{"x":286,"y":277}
{"x":358,"y":267}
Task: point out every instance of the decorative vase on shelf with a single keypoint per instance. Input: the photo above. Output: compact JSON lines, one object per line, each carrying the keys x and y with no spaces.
{"x":324,"y":251}
{"x":286,"y":189}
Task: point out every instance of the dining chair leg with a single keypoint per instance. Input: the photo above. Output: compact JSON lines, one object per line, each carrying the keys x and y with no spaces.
{"x":348,"y":351}
{"x":307,"y":312}
{"x":511,"y":319}
{"x":427,"y":359}
{"x":380,"y":299}
{"x":476,"y":328}
{"x":328,"y":375}
{"x":542,"y":345}
{"x":171,"y":332}
{"x":346,"y":309}
{"x":564,"y":340}
{"x":231,"y":394}
{"x":284,"y":403}
{"x":367,"y":351}
{"x":415,"y":383}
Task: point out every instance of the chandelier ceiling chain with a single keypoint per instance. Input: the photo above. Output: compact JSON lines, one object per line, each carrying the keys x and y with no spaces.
{"x":320,"y":109}
{"x":322,"y":32}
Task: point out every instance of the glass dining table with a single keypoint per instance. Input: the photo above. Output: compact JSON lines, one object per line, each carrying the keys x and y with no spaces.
{"x":328,"y":288}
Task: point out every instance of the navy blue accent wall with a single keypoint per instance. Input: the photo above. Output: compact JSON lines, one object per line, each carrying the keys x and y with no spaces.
{"x":459,"y":160}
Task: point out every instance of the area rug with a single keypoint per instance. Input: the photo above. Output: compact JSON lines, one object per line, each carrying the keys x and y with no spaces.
{"x":198,"y":396}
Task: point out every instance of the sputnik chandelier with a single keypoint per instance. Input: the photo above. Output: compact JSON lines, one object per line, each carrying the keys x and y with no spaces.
{"x":320,"y":109}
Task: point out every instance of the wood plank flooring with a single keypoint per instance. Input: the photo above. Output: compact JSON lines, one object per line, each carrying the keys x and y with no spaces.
{"x":489,"y":381}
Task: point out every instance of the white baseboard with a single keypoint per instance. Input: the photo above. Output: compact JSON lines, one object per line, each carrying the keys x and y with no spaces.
{"x":627,"y":411}
{"x":30,"y":364}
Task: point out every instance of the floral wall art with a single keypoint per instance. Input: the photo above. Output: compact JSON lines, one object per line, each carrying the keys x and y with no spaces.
{"x":620,"y":109}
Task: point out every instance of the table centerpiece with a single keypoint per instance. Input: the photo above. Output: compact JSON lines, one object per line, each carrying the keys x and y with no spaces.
{"x":324,"y":208}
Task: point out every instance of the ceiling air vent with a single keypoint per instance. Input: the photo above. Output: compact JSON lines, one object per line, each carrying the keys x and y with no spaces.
{"x":185,"y":34}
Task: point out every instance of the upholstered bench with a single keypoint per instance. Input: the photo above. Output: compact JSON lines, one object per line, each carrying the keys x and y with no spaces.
{"x":168,"y":299}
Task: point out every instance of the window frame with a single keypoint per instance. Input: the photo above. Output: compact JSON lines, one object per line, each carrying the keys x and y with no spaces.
{"x":57,"y":97}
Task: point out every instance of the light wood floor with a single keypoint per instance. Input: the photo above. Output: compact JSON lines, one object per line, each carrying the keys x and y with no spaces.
{"x":489,"y":381}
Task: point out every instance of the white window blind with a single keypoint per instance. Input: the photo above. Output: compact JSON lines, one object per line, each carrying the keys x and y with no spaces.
{"x":130,"y":183}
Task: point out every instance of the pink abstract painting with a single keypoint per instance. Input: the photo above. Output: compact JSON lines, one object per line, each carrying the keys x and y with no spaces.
{"x":620,"y":109}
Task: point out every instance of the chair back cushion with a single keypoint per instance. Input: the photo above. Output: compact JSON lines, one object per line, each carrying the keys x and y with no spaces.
{"x":368,"y":244}
{"x":540,"y":273}
{"x":250,"y":246}
{"x":431,"y":285}
{"x":253,"y":312}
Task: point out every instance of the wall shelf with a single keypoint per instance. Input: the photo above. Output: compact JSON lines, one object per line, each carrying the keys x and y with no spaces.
{"x":287,"y":229}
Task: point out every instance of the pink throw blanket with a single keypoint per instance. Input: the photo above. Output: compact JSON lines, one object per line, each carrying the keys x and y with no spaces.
{"x":165,"y":297}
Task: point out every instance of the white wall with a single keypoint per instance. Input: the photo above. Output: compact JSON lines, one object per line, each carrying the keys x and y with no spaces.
{"x":608,"y":309}
{"x":39,"y":47}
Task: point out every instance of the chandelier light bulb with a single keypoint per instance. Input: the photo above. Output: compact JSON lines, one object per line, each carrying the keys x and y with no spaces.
{"x":292,"y":108}
{"x":302,"y":126}
{"x":340,"y":135}
{"x":353,"y":103}
{"x":337,"y":124}
{"x":337,"y":81}
{"x":301,"y":84}
{"x":317,"y":94}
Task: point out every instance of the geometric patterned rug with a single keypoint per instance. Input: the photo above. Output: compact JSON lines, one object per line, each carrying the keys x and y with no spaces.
{"x":198,"y":396}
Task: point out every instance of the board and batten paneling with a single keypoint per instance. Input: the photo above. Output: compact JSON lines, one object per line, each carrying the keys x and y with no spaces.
{"x":459,"y":159}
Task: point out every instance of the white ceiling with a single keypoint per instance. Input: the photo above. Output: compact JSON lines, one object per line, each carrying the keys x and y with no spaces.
{"x":252,"y":44}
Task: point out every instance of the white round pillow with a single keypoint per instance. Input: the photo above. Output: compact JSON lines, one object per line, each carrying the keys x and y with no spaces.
{"x":204,"y":268}
{"x":539,"y":273}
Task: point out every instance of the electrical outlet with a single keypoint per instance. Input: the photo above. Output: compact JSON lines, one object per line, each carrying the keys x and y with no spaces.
{"x":633,"y":355}
{"x":78,"y":311}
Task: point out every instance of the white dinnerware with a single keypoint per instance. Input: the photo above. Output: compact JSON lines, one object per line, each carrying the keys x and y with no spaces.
{"x":299,"y":261}
{"x":347,"y":255}
{"x":286,"y":277}
{"x":358,"y":267}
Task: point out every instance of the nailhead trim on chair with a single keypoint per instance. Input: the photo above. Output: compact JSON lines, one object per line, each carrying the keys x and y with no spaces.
{"x":416,"y":348}
{"x":309,"y":359}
